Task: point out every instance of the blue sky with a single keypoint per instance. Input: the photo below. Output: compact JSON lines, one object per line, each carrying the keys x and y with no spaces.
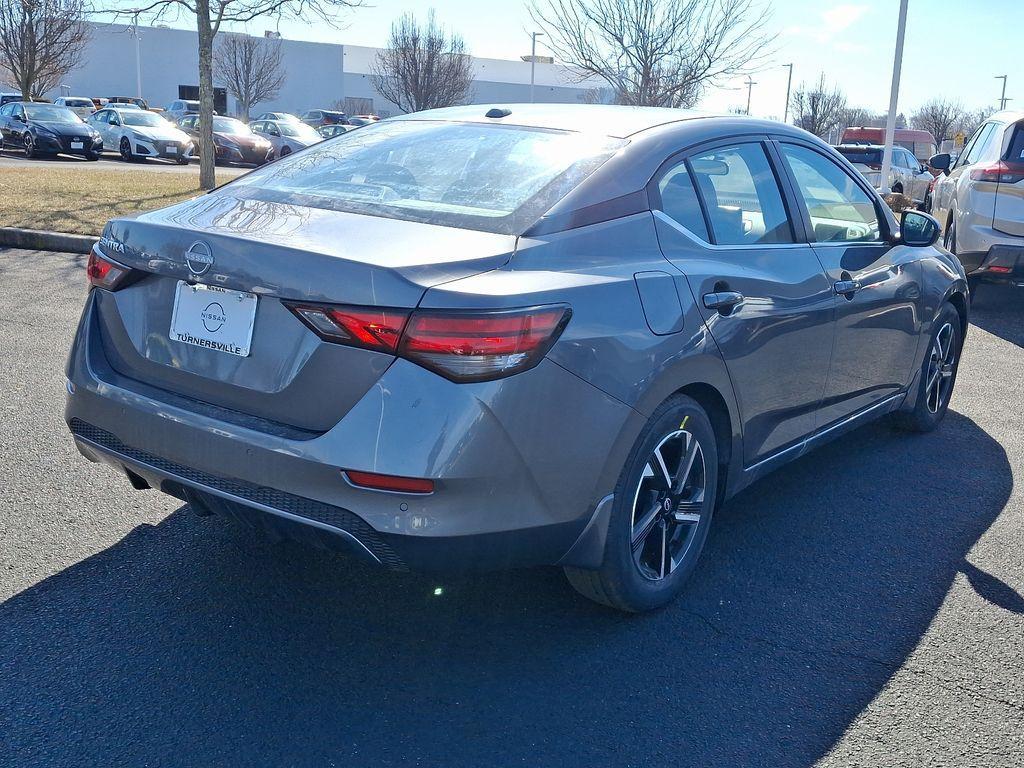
{"x":851,"y":42}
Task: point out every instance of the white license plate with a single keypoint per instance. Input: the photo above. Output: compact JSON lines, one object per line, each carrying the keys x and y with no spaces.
{"x":214,"y":318}
{"x":77,"y":145}
{"x":172,"y":150}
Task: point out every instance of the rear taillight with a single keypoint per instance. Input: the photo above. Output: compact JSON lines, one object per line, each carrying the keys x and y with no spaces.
{"x":104,"y":273}
{"x":460,"y":345}
{"x":478,"y":346}
{"x":999,"y":171}
{"x":367,"y":327}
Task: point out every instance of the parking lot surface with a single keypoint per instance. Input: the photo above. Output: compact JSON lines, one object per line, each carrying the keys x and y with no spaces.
{"x":861,"y":607}
{"x":111,"y":161}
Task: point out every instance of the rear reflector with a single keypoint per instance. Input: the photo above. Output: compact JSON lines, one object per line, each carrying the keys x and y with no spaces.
{"x":460,"y":345}
{"x":104,"y":273}
{"x":1000,"y":171}
{"x":1000,"y":269}
{"x":389,"y":482}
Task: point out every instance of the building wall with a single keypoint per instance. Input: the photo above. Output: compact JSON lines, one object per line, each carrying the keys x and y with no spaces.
{"x":318,"y":74}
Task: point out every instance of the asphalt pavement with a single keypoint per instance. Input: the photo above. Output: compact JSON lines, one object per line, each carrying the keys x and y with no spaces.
{"x":110,"y":161}
{"x":860,"y":607}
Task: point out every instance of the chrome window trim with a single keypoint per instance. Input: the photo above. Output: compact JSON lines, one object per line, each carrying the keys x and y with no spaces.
{"x":660,"y":214}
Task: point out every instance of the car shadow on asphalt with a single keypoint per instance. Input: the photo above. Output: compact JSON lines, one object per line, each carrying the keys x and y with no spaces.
{"x":999,"y":309}
{"x":196,"y":642}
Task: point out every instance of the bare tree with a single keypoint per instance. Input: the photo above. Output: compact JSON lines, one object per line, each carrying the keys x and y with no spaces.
{"x":940,"y":117}
{"x":251,"y":69}
{"x":423,"y":66}
{"x":40,"y":42}
{"x":209,"y":16}
{"x":972,"y":120}
{"x":818,"y":108}
{"x":661,"y":53}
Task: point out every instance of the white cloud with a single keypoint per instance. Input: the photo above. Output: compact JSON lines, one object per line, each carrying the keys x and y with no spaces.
{"x":834,"y":22}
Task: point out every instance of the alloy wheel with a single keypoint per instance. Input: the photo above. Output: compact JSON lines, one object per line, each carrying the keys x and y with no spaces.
{"x":940,"y":368}
{"x":30,"y":147}
{"x":126,"y":150}
{"x":667,"y":504}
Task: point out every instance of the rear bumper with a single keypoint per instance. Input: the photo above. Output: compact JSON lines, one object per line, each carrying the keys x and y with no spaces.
{"x":1000,"y":264}
{"x":519,"y":465}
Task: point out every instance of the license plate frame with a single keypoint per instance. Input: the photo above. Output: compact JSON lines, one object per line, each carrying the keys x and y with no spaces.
{"x":213,"y":318}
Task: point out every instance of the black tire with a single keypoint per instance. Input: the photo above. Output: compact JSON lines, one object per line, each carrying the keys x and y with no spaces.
{"x":629,"y":578}
{"x":182,"y":160}
{"x":30,"y":147}
{"x":125,"y":148}
{"x":942,"y":360}
{"x":92,"y":156}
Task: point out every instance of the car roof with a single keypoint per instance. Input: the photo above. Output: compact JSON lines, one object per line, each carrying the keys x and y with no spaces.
{"x":1009,"y":116}
{"x":855,"y":145}
{"x":605,"y":119}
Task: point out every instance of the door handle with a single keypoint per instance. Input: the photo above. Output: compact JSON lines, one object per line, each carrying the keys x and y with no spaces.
{"x":723,"y":301}
{"x":847,"y":287}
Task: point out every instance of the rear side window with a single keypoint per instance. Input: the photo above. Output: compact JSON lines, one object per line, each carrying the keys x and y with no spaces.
{"x":839,"y":209}
{"x":679,"y":200}
{"x":1016,"y":151}
{"x":741,"y":196}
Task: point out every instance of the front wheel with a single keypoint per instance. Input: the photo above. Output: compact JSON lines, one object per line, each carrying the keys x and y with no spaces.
{"x":30,"y":147}
{"x":125,"y":149}
{"x":938,"y":374}
{"x":661,"y":514}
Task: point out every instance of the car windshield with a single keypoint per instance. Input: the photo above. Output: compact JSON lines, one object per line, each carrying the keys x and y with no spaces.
{"x":150,"y":119}
{"x":48,"y":113}
{"x":487,"y":177}
{"x":864,"y":156}
{"x":298,"y":130}
{"x":77,"y":102}
{"x":229,"y":125}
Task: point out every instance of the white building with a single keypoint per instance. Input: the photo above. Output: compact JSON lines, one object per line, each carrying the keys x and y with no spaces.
{"x":319,"y":75}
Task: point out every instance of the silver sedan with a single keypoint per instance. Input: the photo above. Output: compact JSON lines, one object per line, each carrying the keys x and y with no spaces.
{"x":286,"y":136}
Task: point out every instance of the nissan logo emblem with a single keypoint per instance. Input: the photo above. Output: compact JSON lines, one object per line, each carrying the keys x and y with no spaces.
{"x":198,"y":258}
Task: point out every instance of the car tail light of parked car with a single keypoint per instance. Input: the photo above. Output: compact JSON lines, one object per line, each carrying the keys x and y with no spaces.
{"x":459,"y":345}
{"x":104,"y":273}
{"x":999,"y":171}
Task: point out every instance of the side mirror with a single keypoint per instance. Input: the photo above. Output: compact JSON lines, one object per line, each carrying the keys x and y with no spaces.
{"x":21,"y":118}
{"x":918,"y":229}
{"x":940,"y":162}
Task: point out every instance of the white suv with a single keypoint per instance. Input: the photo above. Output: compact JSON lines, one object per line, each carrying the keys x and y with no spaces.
{"x":980,"y":201}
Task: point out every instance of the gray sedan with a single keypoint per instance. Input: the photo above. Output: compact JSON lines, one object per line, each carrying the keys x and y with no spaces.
{"x":286,"y":136}
{"x":493,"y":337}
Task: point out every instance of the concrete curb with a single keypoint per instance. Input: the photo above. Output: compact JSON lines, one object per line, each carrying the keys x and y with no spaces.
{"x":38,"y":240}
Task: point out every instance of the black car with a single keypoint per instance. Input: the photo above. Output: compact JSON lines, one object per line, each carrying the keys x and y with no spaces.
{"x":47,"y":129}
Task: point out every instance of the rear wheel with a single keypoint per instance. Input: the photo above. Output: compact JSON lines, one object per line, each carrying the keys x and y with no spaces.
{"x":661,"y":514}
{"x":938,"y":374}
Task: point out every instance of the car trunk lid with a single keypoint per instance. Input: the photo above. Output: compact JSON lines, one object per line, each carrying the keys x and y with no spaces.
{"x":278,"y":252}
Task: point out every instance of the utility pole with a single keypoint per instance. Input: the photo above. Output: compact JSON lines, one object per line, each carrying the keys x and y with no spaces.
{"x":894,"y":94}
{"x":533,"y":59}
{"x":138,"y":56}
{"x":1002,"y":99}
{"x":789,"y":83}
{"x":750,"y":89}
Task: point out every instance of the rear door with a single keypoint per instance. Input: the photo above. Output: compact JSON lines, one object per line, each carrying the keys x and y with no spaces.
{"x":877,"y":285}
{"x":724,"y":223}
{"x":1009,"y":210}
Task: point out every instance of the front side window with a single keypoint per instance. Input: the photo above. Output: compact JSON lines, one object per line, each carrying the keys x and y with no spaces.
{"x":741,"y":196}
{"x":490,"y":177}
{"x":839,"y":209}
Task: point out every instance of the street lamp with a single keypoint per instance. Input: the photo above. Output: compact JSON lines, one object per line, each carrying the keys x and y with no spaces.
{"x":789,"y":82}
{"x":533,"y":59}
{"x":894,"y":93}
{"x":1002,"y":99}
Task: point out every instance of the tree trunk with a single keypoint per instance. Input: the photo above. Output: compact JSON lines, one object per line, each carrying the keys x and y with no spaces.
{"x":207,"y":150}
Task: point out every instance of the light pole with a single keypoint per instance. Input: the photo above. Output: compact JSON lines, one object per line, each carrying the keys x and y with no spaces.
{"x":533,"y":59}
{"x":894,"y":94}
{"x":1002,"y":99}
{"x":138,"y":56}
{"x":789,"y":83}
{"x":750,"y":89}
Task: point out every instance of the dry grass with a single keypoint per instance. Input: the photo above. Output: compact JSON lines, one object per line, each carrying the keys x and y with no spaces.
{"x":82,"y":200}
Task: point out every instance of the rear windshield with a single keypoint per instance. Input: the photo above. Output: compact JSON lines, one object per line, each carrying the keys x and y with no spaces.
{"x":78,"y":102}
{"x":864,"y":156}
{"x":487,"y":177}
